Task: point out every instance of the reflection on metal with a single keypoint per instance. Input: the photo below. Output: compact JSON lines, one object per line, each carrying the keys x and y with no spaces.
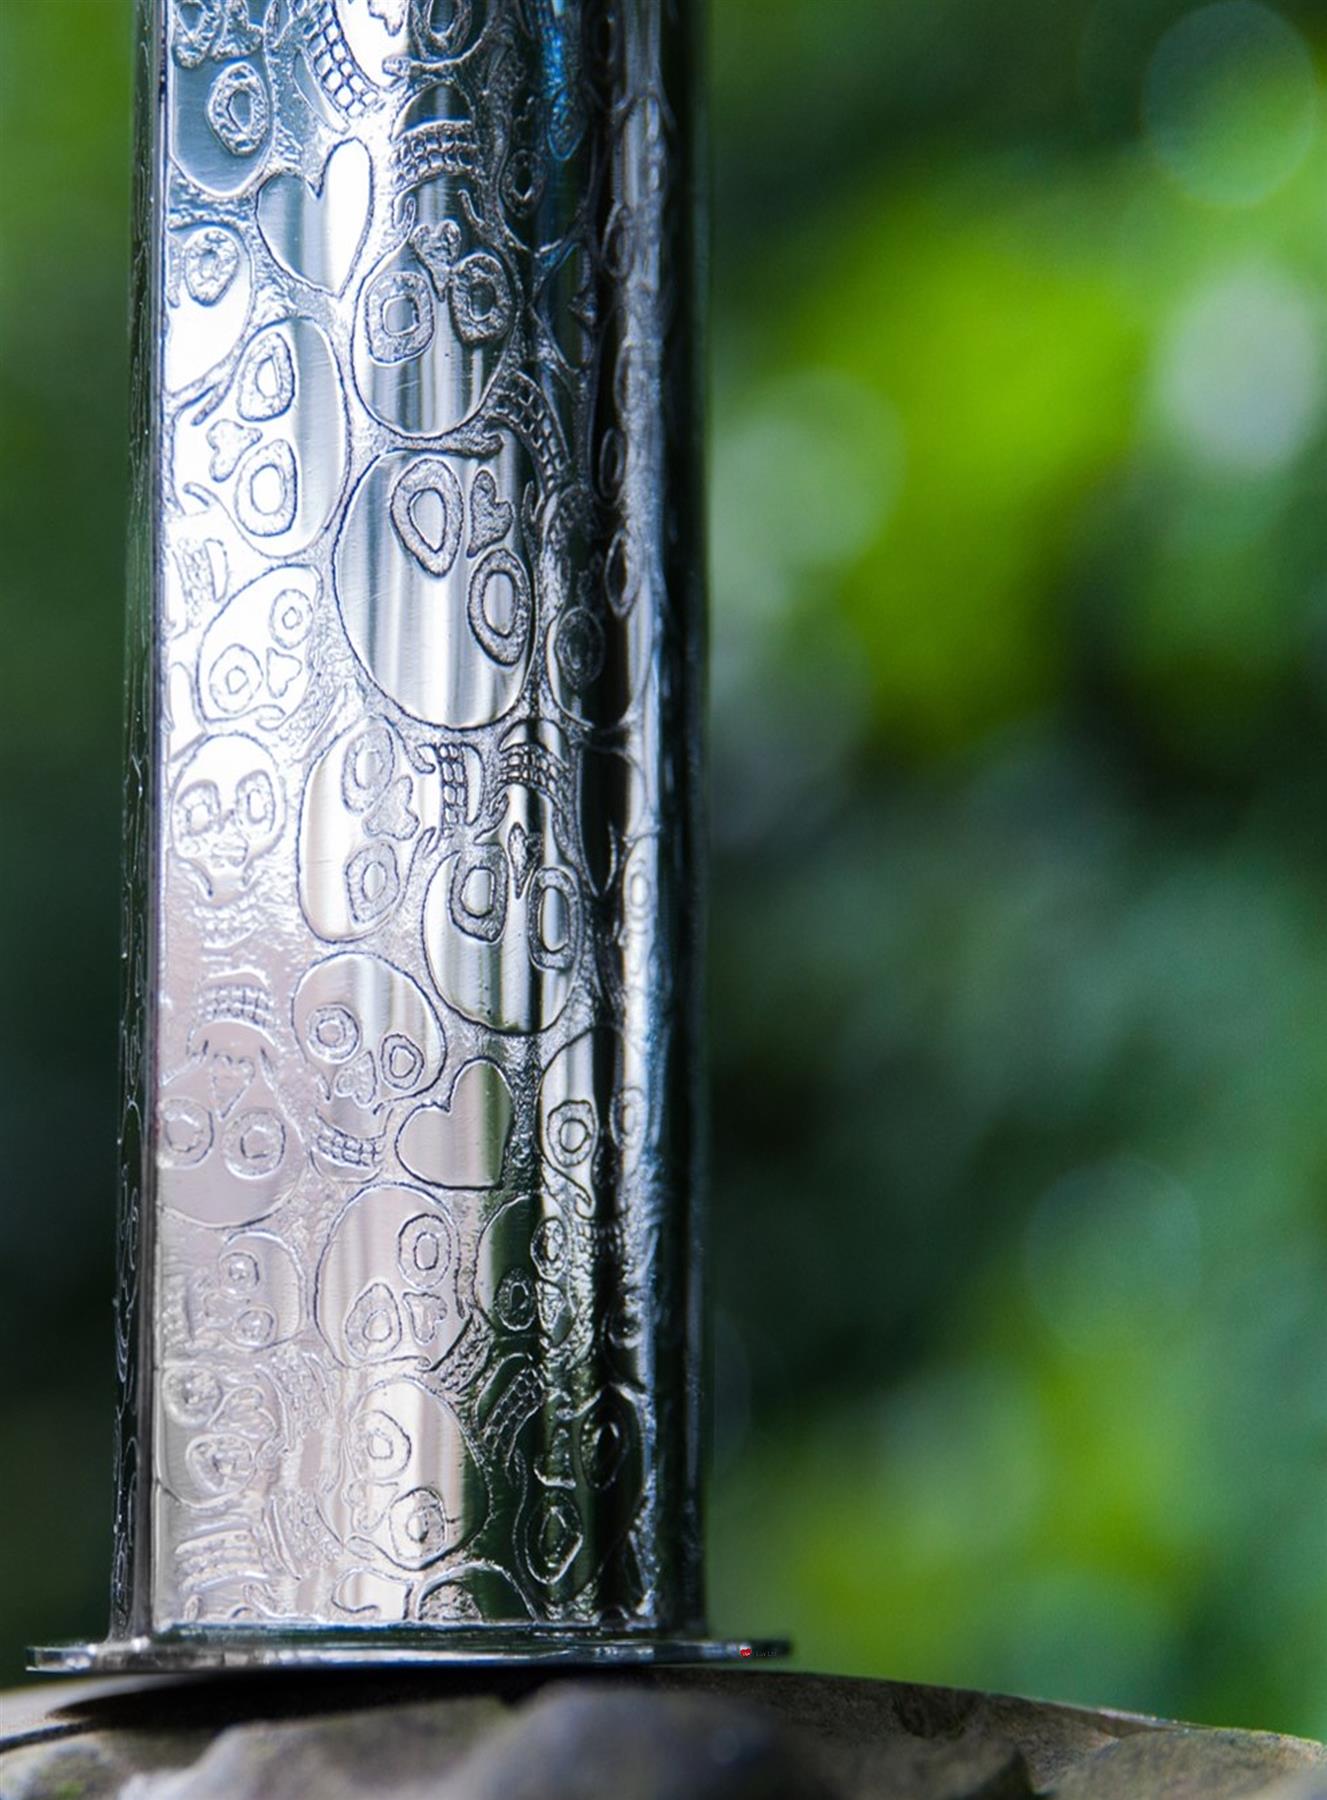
{"x":409,"y":1286}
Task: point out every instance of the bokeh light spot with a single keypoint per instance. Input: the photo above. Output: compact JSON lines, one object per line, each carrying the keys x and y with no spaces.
{"x":1240,"y":373}
{"x":1112,"y":1252}
{"x":1230,"y":102}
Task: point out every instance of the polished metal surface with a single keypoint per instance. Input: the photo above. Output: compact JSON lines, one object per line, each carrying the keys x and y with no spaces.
{"x":410,"y":1294}
{"x":405,"y":1646}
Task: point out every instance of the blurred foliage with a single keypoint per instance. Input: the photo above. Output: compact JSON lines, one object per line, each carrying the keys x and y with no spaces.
{"x":1020,"y":882}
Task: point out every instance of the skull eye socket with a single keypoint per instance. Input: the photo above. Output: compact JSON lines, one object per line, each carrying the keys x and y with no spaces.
{"x":237,"y":109}
{"x":254,"y":1328}
{"x":332,"y":1033}
{"x":186,"y":1132}
{"x":626,"y":1121}
{"x":254,"y":1144}
{"x":402,"y":1062}
{"x":236,"y":679}
{"x":379,"y":1448}
{"x":366,"y":768}
{"x":603,"y":1447}
{"x":267,"y":489}
{"x":198,"y":809}
{"x":572,"y":1130}
{"x":514,"y":1304}
{"x":373,"y":1324}
{"x":291,"y":618}
{"x":255,"y":801}
{"x":548,"y":1248}
{"x":373,"y":883}
{"x":239,"y":1272}
{"x":211,"y":263}
{"x":479,"y":894}
{"x":220,"y":1462}
{"x":419,"y":1526}
{"x":398,"y":316}
{"x":498,"y":607}
{"x":423,"y":1251}
{"x":480,"y":298}
{"x":267,"y":379}
{"x":555,"y":920}
{"x":191,"y":1395}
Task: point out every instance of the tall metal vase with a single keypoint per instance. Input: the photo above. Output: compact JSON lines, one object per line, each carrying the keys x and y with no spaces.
{"x":410,"y":1291}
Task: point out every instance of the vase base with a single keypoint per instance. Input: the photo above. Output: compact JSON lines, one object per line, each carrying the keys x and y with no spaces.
{"x":227,"y":1649}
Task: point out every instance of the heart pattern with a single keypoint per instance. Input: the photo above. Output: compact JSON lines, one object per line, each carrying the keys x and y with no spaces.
{"x":229,"y":1076}
{"x":464,"y":1143}
{"x":228,"y":441}
{"x":316,"y":232}
{"x":490,"y":516}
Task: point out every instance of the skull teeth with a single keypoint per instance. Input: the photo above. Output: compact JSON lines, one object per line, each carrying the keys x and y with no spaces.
{"x":350,"y":1152}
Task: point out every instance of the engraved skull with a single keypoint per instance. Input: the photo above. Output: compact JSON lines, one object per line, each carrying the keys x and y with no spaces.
{"x":221,"y":111}
{"x":370,"y":808}
{"x":373,"y":1040}
{"x":254,"y":657}
{"x":435,"y":313}
{"x":249,"y":1298}
{"x":387,"y":1280}
{"x":226,"y":814}
{"x":412,"y":1492}
{"x":594,"y":1122}
{"x":503,"y":918}
{"x":227,"y":1153}
{"x":432,"y":575}
{"x":588,"y":1468}
{"x":247,"y":445}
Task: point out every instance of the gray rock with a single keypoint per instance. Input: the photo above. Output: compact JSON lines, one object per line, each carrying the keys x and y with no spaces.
{"x":668,"y":1734}
{"x":92,"y":1766}
{"x":969,"y":1768}
{"x":397,"y":1751}
{"x":596,"y":1742}
{"x":81,"y":1770}
{"x":1190,"y":1763}
{"x":855,"y":1718}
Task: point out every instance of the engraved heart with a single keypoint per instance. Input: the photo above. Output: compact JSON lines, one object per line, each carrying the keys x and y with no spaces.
{"x":281,"y":671}
{"x":464,"y":1143}
{"x":228,"y":442}
{"x":317,"y":232}
{"x":426,"y":511}
{"x":437,"y":247}
{"x":229,"y":1076}
{"x":490,"y":517}
{"x":394,"y":817}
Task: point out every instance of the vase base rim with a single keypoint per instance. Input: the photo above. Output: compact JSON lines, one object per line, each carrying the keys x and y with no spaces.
{"x":215,"y":1649}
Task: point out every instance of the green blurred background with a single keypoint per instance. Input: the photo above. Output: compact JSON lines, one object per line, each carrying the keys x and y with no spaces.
{"x":1020,"y":793}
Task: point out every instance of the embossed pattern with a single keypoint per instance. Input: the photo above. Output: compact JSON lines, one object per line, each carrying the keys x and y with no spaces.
{"x":409,"y":1290}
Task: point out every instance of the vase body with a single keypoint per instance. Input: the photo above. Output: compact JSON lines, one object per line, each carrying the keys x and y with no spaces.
{"x":409,"y":1307}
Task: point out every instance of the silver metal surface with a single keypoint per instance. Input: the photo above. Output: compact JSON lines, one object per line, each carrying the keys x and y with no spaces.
{"x":410,"y":1295}
{"x":403,"y":1646}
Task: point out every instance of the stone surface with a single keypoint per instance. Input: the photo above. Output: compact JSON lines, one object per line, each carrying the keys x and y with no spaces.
{"x":661,"y":1735}
{"x":1177,"y":1763}
{"x":96,"y":1765}
{"x":397,"y":1752}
